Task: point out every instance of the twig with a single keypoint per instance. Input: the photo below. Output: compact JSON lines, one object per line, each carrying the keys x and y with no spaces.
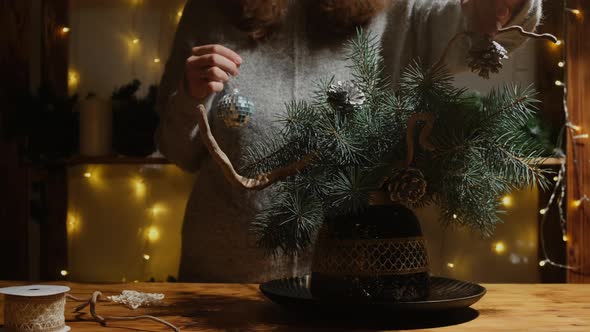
{"x":523,"y":32}
{"x":102,"y":320}
{"x":261,"y":181}
{"x":424,"y":138}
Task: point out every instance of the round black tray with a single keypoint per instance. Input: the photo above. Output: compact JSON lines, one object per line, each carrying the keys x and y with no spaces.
{"x":445,"y":294}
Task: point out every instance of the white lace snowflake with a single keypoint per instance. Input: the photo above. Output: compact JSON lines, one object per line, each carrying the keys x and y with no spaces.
{"x":134,"y":299}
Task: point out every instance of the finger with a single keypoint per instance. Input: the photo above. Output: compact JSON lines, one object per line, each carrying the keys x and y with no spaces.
{"x":218,"y":49}
{"x":215,"y":74}
{"x":213,"y":87}
{"x":212,"y":60}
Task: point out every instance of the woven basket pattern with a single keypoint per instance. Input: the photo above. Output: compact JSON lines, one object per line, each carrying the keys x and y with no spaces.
{"x":370,"y":257}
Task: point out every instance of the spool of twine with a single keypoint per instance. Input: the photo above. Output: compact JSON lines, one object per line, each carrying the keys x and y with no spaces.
{"x":34,"y":309}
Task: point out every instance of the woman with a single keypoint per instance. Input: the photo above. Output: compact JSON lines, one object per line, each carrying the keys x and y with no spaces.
{"x":274,"y":50}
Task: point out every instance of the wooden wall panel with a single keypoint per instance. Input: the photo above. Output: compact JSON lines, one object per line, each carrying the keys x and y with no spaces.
{"x":578,"y":83}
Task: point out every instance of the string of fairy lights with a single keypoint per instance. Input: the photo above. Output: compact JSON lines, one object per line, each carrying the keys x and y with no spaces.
{"x":575,"y":132}
{"x":151,"y":233}
{"x":134,"y":41}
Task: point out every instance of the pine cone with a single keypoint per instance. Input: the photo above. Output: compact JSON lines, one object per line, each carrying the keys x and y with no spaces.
{"x":486,"y":56}
{"x":406,"y":186}
{"x":345,"y":96}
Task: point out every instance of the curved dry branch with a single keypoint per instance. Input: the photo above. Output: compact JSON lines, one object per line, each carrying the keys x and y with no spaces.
{"x":102,"y":320}
{"x":525,"y":33}
{"x":424,"y":138}
{"x":259,"y":182}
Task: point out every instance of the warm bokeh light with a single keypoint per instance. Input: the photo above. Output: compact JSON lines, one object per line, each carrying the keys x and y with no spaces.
{"x":146,"y":257}
{"x":135,"y":41}
{"x":451,"y":265}
{"x":139,"y":187}
{"x":73,"y":223}
{"x":558,"y":83}
{"x":543,"y":211}
{"x":507,"y":201}
{"x":454,"y":216}
{"x":499,"y":247}
{"x":65,"y":30}
{"x":73,"y":80}
{"x":561,"y":64}
{"x":542,"y":263}
{"x":157,"y":60}
{"x":88,"y":175}
{"x":564,"y":238}
{"x":153,"y":234}
{"x":63,"y":273}
{"x":157,"y":209}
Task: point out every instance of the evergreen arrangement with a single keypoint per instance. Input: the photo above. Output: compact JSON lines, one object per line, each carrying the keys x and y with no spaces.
{"x":428,"y":142}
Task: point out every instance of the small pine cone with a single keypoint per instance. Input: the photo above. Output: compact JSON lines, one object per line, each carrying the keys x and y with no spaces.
{"x":345,"y":96}
{"x":406,"y":186}
{"x":486,"y":57}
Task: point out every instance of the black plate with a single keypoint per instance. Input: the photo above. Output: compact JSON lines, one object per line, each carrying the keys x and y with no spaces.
{"x":445,"y":294}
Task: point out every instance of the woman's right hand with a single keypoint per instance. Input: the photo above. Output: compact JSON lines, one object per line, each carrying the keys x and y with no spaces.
{"x":208,"y":68}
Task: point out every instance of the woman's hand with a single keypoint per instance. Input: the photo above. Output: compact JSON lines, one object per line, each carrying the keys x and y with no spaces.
{"x":491,"y":15}
{"x":208,"y":68}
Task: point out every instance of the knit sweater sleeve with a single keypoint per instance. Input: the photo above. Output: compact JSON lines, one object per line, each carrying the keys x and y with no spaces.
{"x":177,"y":136}
{"x":425,"y":27}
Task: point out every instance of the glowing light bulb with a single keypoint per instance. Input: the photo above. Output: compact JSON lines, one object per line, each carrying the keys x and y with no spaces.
{"x":559,"y":42}
{"x":558,"y":83}
{"x":88,"y":175}
{"x":556,"y":178}
{"x":139,"y":187}
{"x":65,"y":30}
{"x":157,"y":60}
{"x":146,"y":257}
{"x":454,"y":216}
{"x":576,"y":12}
{"x":135,"y":41}
{"x":561,"y":64}
{"x":564,"y":238}
{"x":542,"y":263}
{"x":73,"y":79}
{"x":499,"y":247}
{"x":450,"y":265}
{"x":543,"y":211}
{"x":153,"y":234}
{"x":507,"y":201}
{"x":63,"y":273}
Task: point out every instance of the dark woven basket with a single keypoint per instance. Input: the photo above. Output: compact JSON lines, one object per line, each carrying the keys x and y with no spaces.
{"x":377,"y":255}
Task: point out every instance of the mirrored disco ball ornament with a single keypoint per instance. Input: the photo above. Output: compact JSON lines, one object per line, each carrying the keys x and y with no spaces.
{"x":235,"y":109}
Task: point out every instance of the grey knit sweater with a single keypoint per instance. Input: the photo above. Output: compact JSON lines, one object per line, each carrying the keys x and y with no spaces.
{"x":217,"y":245}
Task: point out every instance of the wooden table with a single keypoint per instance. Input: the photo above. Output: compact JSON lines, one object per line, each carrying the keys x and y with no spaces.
{"x":241,"y":307}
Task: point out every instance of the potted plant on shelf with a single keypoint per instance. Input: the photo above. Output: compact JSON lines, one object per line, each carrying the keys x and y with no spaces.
{"x":353,"y":162}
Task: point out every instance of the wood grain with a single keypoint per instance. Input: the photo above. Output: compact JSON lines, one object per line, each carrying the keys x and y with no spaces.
{"x":578,"y":151}
{"x":241,"y":307}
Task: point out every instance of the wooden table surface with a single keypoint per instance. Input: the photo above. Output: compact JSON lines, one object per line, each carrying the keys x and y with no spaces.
{"x":241,"y":307}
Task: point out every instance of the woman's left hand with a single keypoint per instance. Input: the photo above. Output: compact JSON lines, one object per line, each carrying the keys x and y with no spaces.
{"x":491,"y":15}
